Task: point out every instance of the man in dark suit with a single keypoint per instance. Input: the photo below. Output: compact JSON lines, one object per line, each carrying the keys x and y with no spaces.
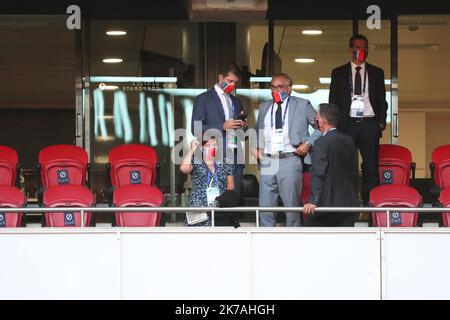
{"x":357,"y":88}
{"x":332,"y":173}
{"x":218,"y":109}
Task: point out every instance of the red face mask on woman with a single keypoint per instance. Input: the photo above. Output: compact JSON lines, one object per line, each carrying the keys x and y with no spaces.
{"x":209,"y":152}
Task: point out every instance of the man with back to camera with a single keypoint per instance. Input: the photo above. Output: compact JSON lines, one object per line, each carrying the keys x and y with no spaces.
{"x":333,"y":173}
{"x":219,"y":109}
{"x":357,"y":88}
{"x":283,"y":137}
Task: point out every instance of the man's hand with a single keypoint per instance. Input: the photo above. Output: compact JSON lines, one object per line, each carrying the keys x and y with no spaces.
{"x":303,"y":149}
{"x":258,"y":154}
{"x":309,"y":208}
{"x":233,"y":124}
{"x":382,"y":126}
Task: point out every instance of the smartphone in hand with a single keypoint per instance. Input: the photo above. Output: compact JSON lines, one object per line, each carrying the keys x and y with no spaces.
{"x":243,"y":117}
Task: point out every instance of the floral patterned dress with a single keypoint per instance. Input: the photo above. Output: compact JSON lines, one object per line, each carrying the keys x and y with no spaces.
{"x":200,"y":183}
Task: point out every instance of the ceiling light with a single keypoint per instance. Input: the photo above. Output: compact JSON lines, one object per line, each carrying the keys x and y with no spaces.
{"x":112,"y":60}
{"x":305,"y":60}
{"x":116,"y":33}
{"x":300,"y":87}
{"x":312,"y":32}
{"x":260,"y":79}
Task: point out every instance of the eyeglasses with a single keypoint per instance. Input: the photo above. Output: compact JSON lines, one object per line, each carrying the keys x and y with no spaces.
{"x":278,"y":88}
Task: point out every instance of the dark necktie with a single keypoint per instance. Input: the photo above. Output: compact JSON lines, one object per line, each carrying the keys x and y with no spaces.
{"x":358,"y":81}
{"x":278,"y":120}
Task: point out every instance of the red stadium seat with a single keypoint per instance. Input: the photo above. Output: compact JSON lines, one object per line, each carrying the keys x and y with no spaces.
{"x":440,"y":166}
{"x":63,"y":164}
{"x":8,"y":166}
{"x":444,"y":199}
{"x":395,"y":164}
{"x":138,"y":195}
{"x":67,"y":196}
{"x":11,"y":197}
{"x":395,"y":195}
{"x":132,"y":164}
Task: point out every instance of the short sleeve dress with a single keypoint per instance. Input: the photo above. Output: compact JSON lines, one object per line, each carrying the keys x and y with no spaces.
{"x":200,"y":183}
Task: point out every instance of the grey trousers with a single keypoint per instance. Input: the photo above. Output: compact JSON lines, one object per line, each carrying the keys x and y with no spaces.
{"x":280,"y":177}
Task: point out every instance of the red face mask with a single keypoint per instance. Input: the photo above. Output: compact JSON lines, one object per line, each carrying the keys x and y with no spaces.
{"x":278,"y":96}
{"x":227,"y":87}
{"x":359,"y":55}
{"x":210,"y":152}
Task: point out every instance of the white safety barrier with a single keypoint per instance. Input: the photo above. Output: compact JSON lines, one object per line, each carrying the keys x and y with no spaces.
{"x":224,"y":263}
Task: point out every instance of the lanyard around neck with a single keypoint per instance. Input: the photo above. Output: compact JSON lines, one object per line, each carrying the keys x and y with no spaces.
{"x":210,"y":179}
{"x":352,"y":93}
{"x":284,"y":115}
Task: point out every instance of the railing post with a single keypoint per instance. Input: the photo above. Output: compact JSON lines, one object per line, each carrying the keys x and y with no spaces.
{"x":257,"y":218}
{"x":388,"y":224}
{"x":82,"y":218}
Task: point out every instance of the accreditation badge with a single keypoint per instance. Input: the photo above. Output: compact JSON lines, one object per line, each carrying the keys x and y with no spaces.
{"x":357,"y":107}
{"x":277,"y":141}
{"x":232,"y":140}
{"x":211,"y":194}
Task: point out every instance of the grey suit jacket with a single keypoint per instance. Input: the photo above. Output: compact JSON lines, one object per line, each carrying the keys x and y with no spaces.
{"x":301,"y":114}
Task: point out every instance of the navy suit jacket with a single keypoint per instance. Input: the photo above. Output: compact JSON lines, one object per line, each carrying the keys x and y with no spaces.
{"x":209,"y":111}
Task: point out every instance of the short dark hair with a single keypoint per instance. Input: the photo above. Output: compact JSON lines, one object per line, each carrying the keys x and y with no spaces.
{"x":231,"y":68}
{"x":330,"y":112}
{"x":356,"y":37}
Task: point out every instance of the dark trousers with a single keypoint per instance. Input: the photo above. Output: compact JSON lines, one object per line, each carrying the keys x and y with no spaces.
{"x":366,"y":136}
{"x":230,"y":218}
{"x":324,"y":219}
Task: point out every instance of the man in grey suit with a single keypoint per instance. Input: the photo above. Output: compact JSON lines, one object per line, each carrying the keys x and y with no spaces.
{"x":283,"y":137}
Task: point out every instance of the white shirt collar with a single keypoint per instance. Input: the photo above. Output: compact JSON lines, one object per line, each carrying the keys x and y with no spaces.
{"x":218,"y":89}
{"x":354,"y":65}
{"x":331,"y":129}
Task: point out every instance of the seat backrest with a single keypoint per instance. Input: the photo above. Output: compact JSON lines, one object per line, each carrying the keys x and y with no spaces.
{"x":250,"y":186}
{"x":138,"y":195}
{"x":395,"y":195}
{"x":67,"y":196}
{"x":444,"y":199}
{"x":11,"y":197}
{"x":63,"y":164}
{"x":132,"y":164}
{"x":8,"y":166}
{"x":441,"y":159}
{"x":394,"y":164}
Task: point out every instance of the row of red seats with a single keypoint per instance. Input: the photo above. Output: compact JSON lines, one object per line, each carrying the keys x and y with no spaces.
{"x":64,"y":178}
{"x":396,"y":170}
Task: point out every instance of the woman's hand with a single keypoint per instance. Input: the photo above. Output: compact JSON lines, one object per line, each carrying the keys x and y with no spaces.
{"x":194,"y":145}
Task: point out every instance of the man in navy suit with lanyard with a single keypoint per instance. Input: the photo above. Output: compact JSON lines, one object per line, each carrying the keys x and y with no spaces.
{"x":357,"y":88}
{"x":218,"y":109}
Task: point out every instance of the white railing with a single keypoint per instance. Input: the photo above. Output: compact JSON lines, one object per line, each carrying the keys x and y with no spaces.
{"x":213,"y":210}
